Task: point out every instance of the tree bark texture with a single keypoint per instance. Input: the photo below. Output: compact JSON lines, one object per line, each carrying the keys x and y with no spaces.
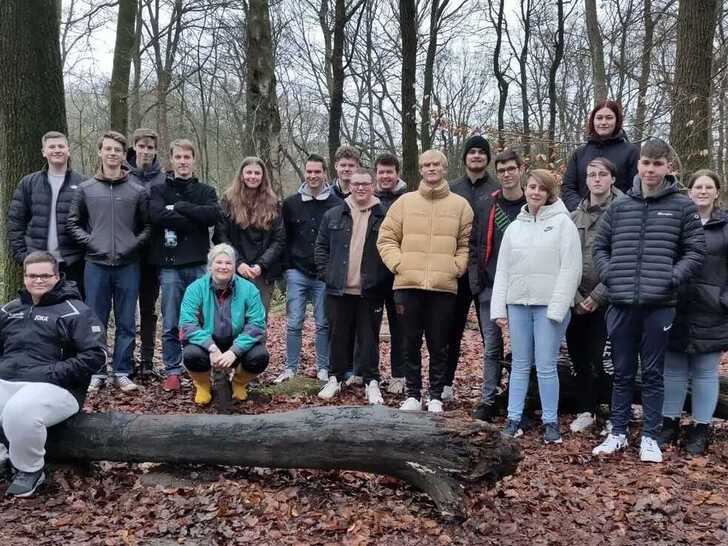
{"x":336,"y":101}
{"x":438,"y":455}
{"x":263,"y":119}
{"x":596,"y":47}
{"x":553,"y":71}
{"x":123,"y":52}
{"x":436,"y":12}
{"x":498,"y":21}
{"x":408,"y":30}
{"x":690,"y":125}
{"x":645,"y":61}
{"x":31,"y":103}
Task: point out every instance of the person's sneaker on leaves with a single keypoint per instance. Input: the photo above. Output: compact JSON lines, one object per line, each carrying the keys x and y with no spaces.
{"x":411,"y":404}
{"x":124,"y":384}
{"x":551,"y":433}
{"x":484,"y":412}
{"x":374,"y":395}
{"x":434,"y":406}
{"x":285,"y":375}
{"x":670,"y":433}
{"x":354,"y":380}
{"x":322,"y":375}
{"x":396,"y":385}
{"x":513,"y":429}
{"x":697,"y":439}
{"x":650,"y":451}
{"x":448,"y":393}
{"x":96,"y":384}
{"x":330,"y":389}
{"x":583,"y":421}
{"x":612,"y":444}
{"x":24,"y":484}
{"x":171,"y":383}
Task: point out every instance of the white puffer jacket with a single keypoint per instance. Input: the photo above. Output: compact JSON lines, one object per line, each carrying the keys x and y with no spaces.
{"x":539,"y":262}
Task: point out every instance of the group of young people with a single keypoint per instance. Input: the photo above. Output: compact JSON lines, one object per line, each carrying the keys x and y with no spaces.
{"x":625,"y":255}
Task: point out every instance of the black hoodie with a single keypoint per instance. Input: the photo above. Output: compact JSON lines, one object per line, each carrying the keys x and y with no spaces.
{"x":59,"y":340}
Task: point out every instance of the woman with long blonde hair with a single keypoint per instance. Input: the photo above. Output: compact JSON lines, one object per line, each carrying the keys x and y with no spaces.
{"x":251,"y":222}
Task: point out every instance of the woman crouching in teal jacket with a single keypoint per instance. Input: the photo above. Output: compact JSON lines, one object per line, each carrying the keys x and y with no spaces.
{"x":222,"y":323}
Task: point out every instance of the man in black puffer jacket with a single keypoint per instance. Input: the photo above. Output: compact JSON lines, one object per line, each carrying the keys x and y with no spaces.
{"x":648,"y":244}
{"x":50,"y":345}
{"x":182,"y":210}
{"x":39,"y":210}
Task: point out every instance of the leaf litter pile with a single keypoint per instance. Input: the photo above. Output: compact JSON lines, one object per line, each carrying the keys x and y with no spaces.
{"x":559,"y":494}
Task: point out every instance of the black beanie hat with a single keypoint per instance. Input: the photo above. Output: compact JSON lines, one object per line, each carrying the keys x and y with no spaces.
{"x":476,"y":141}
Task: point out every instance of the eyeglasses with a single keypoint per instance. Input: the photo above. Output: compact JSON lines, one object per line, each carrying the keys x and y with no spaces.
{"x":360,"y":184}
{"x":508,"y":170}
{"x":39,"y":276}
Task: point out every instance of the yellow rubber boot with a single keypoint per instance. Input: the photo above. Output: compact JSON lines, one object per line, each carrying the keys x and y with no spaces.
{"x":203,"y":387}
{"x":241,"y":378}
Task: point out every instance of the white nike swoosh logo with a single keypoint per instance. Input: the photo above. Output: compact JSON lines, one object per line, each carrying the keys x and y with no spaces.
{"x":666,"y":328}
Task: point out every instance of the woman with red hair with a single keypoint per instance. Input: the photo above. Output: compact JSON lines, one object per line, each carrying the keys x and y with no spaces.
{"x":605,"y":138}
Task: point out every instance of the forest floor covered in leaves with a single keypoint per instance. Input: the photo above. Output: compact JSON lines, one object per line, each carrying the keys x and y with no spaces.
{"x":559,"y":494}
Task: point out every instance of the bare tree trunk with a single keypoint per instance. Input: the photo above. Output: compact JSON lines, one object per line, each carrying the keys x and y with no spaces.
{"x":135,"y":112}
{"x":436,"y":11}
{"x":523,"y":68}
{"x":408,"y":30}
{"x":123,"y":52}
{"x":337,"y":71}
{"x":690,"y":126}
{"x":645,"y":61}
{"x":596,"y":46}
{"x":553,"y":71}
{"x":498,"y":23}
{"x":437,"y":455}
{"x":31,"y":103}
{"x":263,"y":120}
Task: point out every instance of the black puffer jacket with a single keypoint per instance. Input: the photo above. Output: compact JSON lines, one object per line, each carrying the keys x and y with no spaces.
{"x":646,"y":248}
{"x":386,"y":198}
{"x":332,"y":253}
{"x":30,"y":211}
{"x":59,"y":340}
{"x":481,"y":189}
{"x":616,"y":149}
{"x":701,"y":318}
{"x":263,"y":247}
{"x":194,"y":209}
{"x":111,"y":219}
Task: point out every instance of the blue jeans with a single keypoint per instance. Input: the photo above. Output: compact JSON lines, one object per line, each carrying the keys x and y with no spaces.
{"x":301,"y":288}
{"x":174,"y":281}
{"x":644,"y":332}
{"x":534,"y":338}
{"x":121,"y":284}
{"x":492,"y":353}
{"x":702,"y":370}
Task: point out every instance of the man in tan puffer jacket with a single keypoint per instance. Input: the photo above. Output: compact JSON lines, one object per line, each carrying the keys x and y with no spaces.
{"x":424,"y":242}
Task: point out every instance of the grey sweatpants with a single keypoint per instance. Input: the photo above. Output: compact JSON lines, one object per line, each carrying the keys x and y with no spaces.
{"x":26,"y":410}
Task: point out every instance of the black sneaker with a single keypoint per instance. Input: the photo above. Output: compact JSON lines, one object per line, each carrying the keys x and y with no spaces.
{"x":670,"y":432}
{"x":697,"y":439}
{"x":513,"y":429}
{"x":25,"y":483}
{"x":484,"y":412}
{"x":551,"y":433}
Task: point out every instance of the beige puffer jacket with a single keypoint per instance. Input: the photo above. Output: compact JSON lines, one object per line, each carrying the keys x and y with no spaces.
{"x":424,"y":238}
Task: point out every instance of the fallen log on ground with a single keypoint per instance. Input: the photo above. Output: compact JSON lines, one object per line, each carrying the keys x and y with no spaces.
{"x":438,"y":455}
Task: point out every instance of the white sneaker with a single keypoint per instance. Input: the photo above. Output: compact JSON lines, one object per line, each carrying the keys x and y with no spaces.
{"x":284,"y":376}
{"x":396,"y":385}
{"x":411,"y":404}
{"x":607,"y":428}
{"x":434,"y":406}
{"x":330,"y":390}
{"x":355,"y":380}
{"x":582,"y":422}
{"x":322,"y":375}
{"x":613,"y":443}
{"x":650,"y":451}
{"x":448,"y":393}
{"x":124,"y":383}
{"x":96,"y":383}
{"x":374,"y":395}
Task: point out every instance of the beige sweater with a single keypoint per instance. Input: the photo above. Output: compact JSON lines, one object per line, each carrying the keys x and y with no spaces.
{"x":360,"y":220}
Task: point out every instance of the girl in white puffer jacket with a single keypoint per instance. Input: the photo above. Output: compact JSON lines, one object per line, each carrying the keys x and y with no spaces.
{"x":539,"y":269}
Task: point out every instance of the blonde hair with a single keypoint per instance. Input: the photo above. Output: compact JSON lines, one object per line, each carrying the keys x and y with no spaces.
{"x":256,"y":207}
{"x":442,"y":157}
{"x":548,"y":181}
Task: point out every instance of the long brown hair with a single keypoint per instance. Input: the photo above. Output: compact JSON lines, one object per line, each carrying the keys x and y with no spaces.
{"x":251,"y":207}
